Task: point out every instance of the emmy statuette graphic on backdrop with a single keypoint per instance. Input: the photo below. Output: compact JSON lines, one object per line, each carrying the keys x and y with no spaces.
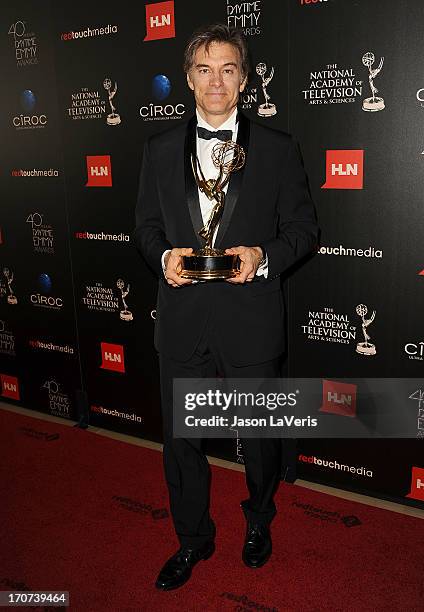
{"x":113,"y":118}
{"x":365,"y":348}
{"x":11,"y":298}
{"x":375,"y":103}
{"x":125,"y":315}
{"x":209,"y":263}
{"x":268,"y":109}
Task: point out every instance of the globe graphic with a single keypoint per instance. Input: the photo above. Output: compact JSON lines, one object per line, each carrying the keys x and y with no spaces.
{"x":161,"y":87}
{"x":228,"y":155}
{"x":261,"y":68}
{"x":120,"y":283}
{"x":45,"y":282}
{"x":27,"y":100}
{"x":107,"y":84}
{"x":361,"y":310}
{"x":368,"y":59}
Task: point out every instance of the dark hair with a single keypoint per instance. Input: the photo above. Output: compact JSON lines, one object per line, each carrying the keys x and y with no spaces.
{"x":219,"y":33}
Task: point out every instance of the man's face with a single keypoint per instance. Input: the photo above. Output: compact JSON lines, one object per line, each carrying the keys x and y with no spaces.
{"x":216,"y":79}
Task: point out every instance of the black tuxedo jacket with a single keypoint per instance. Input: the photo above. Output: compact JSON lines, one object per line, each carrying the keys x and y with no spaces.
{"x":267,"y":204}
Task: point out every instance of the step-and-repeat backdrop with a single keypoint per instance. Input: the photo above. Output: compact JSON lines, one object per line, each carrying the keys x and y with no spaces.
{"x":85,"y":84}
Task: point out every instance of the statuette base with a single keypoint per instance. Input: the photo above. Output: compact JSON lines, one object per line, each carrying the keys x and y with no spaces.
{"x":210,"y":264}
{"x":372,"y":106}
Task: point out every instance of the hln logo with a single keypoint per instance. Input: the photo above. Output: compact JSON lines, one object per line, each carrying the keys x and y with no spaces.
{"x":99,"y":171}
{"x":417,"y":484}
{"x":158,"y":21}
{"x":346,"y":170}
{"x":112,"y":357}
{"x":9,"y":386}
{"x":338,"y":398}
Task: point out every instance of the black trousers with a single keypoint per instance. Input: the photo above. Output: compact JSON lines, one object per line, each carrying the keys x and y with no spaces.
{"x":186,"y":467}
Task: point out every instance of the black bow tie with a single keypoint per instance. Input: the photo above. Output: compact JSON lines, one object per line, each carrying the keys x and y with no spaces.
{"x":220,"y":134}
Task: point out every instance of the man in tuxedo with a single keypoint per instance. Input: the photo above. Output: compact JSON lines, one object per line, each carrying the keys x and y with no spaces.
{"x":234,"y":328}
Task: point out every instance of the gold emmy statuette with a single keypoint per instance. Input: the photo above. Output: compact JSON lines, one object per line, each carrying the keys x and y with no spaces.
{"x":209,"y":263}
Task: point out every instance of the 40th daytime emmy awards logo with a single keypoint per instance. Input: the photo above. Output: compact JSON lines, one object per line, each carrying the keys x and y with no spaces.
{"x":25,"y":44}
{"x":7,"y":340}
{"x":374,"y":103}
{"x":59,"y":402}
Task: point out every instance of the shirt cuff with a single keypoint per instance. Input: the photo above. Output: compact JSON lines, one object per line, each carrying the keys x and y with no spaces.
{"x":163,"y":260}
{"x":263,"y":268}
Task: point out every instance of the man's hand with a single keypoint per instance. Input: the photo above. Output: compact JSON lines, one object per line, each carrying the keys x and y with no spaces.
{"x":250,"y":258}
{"x":173,"y":267}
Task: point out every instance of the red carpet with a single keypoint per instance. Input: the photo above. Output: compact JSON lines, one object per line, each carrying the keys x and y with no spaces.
{"x":87,"y":514}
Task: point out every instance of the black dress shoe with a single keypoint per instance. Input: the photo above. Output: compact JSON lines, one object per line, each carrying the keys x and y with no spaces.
{"x":177,"y":570}
{"x":257,"y":545}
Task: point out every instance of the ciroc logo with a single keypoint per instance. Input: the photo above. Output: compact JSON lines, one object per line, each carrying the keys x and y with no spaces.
{"x":42,"y":298}
{"x":28,"y":119}
{"x":161,"y":89}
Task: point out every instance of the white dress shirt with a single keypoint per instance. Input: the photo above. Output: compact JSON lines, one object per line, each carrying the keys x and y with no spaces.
{"x":204,"y":154}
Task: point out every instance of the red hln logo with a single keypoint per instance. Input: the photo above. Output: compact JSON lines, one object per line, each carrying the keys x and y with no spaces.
{"x":344,"y":169}
{"x":99,"y":171}
{"x":112,"y":357}
{"x":417,"y":484}
{"x":160,"y":21}
{"x":338,"y":398}
{"x":9,"y":386}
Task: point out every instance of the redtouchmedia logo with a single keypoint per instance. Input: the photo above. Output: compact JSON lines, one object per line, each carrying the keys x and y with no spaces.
{"x":344,"y":169}
{"x":333,"y":464}
{"x":102,"y":236}
{"x":112,"y":357}
{"x":160,"y":21}
{"x":338,"y":398}
{"x":99,"y":171}
{"x":89,"y":32}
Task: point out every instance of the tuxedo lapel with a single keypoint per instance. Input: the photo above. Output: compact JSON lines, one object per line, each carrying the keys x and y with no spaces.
{"x":192,"y":193}
{"x":236,"y":179}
